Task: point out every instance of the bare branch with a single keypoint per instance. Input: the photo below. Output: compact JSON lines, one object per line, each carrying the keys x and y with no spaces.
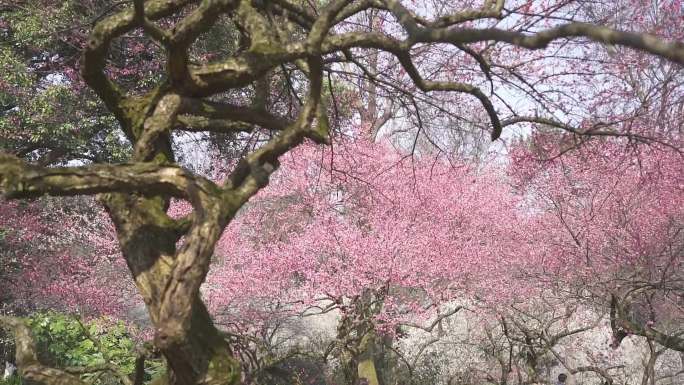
{"x":672,"y":50}
{"x":429,"y":328}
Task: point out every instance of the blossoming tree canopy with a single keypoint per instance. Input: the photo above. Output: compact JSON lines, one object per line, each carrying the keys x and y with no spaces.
{"x":276,"y":82}
{"x":387,"y":241}
{"x":419,"y":233}
{"x":64,"y":257}
{"x":612,"y":227}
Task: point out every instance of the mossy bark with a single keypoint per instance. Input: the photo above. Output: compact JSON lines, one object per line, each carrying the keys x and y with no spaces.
{"x":366,"y":368}
{"x":195,"y":351}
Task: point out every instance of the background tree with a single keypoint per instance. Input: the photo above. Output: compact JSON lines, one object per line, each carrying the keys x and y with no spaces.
{"x":364,"y":239}
{"x":63,"y":255}
{"x":614,"y":222}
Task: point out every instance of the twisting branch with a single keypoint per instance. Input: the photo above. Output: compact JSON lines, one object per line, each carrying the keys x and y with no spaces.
{"x":158,"y":34}
{"x":622,"y":327}
{"x":198,"y":124}
{"x":21,"y":180}
{"x":429,"y":328}
{"x":428,"y":85}
{"x":489,"y":10}
{"x":253,"y":171}
{"x":229,"y":112}
{"x":672,"y":50}
{"x":97,"y":49}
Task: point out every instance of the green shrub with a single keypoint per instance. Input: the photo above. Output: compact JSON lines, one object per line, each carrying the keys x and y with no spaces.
{"x":13,"y":380}
{"x":65,"y":341}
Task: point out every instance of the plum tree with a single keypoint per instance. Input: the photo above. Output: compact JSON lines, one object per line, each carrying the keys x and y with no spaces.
{"x":306,"y":45}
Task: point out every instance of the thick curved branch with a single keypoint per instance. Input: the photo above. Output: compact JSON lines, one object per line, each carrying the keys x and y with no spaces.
{"x":21,"y":180}
{"x":489,"y":10}
{"x":97,"y":49}
{"x":186,"y":32}
{"x":253,"y":171}
{"x":324,"y":22}
{"x":160,"y":35}
{"x":264,"y":54}
{"x":230,"y":112}
{"x":199,"y":124}
{"x":428,"y":85}
{"x":672,"y":50}
{"x":239,"y":71}
{"x":295,"y":13}
{"x":265,"y":51}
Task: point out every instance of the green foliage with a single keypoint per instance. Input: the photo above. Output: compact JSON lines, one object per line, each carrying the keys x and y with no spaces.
{"x":14,"y":71}
{"x":219,"y":42}
{"x":45,"y":112}
{"x":69,"y":342}
{"x":13,"y":380}
{"x":35,"y":24}
{"x":65,"y":341}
